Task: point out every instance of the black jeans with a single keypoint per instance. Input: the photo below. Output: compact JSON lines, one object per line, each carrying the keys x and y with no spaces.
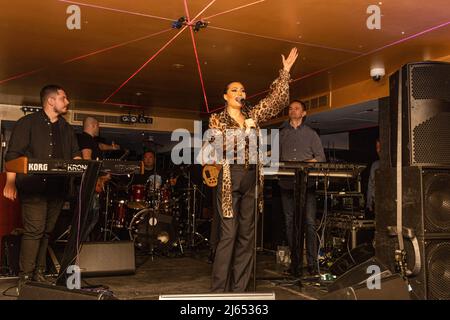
{"x":39,"y":215}
{"x":233,"y":261}
{"x":288,"y":203}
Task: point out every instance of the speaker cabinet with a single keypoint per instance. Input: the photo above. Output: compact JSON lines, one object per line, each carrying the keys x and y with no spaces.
{"x":39,"y":291}
{"x":107,"y":258}
{"x":392,"y":287}
{"x":426,"y":227}
{"x":351,"y":259}
{"x":421,"y":90}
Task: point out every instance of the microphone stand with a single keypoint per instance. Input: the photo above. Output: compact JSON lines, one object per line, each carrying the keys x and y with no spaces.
{"x":256,"y":208}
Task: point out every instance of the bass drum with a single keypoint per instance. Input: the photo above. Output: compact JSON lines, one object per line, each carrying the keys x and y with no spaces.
{"x":152,"y":230}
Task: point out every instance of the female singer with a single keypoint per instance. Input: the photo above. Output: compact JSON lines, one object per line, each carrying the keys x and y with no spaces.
{"x":235,"y":198}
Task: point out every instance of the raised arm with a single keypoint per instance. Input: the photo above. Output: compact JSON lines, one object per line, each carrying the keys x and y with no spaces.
{"x":278,"y":97}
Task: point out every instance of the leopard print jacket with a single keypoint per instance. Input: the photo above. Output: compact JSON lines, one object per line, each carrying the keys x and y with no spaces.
{"x":276,"y":100}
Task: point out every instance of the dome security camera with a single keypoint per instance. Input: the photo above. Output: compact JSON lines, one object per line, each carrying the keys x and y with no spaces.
{"x":377,"y":73}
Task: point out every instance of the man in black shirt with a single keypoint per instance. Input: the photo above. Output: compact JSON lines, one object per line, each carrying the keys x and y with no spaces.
{"x":86,"y":140}
{"x":90,"y":148}
{"x":298,"y":142}
{"x":149,"y":172}
{"x":43,"y":135}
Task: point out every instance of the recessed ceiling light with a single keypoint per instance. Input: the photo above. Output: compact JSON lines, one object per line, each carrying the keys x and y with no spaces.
{"x":380,"y":3}
{"x":206,"y":62}
{"x":299,"y":37}
{"x":139,"y":94}
{"x":298,"y":22}
{"x":403,"y":32}
{"x":178,"y":65}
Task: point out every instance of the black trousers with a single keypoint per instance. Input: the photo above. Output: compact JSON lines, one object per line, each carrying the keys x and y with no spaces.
{"x":215,"y":223}
{"x":233,"y":262}
{"x":39,"y":215}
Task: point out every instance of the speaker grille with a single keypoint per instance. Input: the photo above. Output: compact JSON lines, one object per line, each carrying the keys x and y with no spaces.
{"x":438,"y":269}
{"x":432,"y":140}
{"x":437,"y":201}
{"x":431,"y":81}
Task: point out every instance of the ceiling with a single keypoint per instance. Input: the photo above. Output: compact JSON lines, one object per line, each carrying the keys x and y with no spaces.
{"x":127,"y":55}
{"x":355,"y":117}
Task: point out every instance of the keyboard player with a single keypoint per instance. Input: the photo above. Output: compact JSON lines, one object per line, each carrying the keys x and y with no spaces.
{"x":299,"y":142}
{"x":44,"y":135}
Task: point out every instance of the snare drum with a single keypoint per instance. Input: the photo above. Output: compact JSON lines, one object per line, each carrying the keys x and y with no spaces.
{"x":137,"y":198}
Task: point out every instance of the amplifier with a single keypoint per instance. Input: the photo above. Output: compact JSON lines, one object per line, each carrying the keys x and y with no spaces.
{"x":350,"y":224}
{"x":341,"y":203}
{"x":344,"y":229}
{"x":107,"y":258}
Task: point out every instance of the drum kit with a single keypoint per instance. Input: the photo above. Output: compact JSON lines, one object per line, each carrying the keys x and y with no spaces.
{"x":156,"y":216}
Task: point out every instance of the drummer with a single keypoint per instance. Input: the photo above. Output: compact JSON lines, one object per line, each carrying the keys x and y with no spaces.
{"x":151,"y":179}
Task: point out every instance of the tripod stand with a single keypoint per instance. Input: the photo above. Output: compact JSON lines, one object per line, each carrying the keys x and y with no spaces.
{"x":108,"y":234}
{"x":192,"y":232}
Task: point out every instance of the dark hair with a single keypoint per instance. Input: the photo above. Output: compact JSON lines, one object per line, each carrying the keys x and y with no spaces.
{"x":48,"y":90}
{"x":300,"y":102}
{"x":228,"y":86}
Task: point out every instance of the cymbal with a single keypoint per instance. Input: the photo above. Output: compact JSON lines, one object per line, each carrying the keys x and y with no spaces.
{"x":137,"y":205}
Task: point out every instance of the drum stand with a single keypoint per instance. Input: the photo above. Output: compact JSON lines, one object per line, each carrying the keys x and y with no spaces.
{"x":193,"y":235}
{"x":105,"y":230}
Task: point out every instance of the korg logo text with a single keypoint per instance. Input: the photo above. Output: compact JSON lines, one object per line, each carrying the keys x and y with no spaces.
{"x":37,"y":167}
{"x":76,"y":167}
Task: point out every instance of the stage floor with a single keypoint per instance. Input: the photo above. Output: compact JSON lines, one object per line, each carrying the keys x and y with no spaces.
{"x":191,"y":274}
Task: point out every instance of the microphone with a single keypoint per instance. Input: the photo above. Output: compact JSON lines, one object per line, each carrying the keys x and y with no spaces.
{"x":243,"y":102}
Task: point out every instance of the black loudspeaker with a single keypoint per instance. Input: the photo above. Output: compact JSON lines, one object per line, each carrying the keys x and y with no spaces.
{"x":107,"y":258}
{"x":392,"y":287}
{"x":426,"y":226}
{"x":353,"y":258}
{"x":39,"y":291}
{"x":422,"y":91}
{"x":358,"y":274}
